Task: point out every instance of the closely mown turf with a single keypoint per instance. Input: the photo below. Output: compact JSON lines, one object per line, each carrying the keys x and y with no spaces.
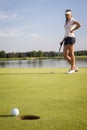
{"x":59,"y":99}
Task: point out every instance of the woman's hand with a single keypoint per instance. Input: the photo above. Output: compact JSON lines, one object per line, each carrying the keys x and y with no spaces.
{"x":71,"y":31}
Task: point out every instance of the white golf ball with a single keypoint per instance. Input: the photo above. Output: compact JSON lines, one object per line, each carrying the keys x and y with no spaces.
{"x":15,"y":112}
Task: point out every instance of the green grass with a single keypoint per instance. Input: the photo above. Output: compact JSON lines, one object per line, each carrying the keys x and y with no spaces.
{"x":58,"y":98}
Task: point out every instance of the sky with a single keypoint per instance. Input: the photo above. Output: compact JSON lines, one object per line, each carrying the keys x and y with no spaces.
{"x":27,"y":25}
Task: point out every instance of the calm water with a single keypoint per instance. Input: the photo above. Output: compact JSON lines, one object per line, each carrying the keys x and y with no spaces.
{"x":49,"y":63}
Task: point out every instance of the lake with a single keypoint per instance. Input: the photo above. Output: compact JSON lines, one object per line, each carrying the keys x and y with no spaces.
{"x":47,"y":63}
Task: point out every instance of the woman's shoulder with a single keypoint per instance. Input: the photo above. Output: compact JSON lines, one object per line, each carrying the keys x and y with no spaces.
{"x":73,"y":19}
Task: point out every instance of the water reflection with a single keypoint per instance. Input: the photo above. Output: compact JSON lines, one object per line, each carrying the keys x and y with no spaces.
{"x":49,"y":63}
{"x":2,"y":64}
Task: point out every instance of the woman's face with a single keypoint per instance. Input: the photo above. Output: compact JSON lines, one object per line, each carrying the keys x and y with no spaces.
{"x":68,"y":16}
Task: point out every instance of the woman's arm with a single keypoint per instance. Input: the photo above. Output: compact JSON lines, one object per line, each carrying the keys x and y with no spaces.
{"x":77,"y":26}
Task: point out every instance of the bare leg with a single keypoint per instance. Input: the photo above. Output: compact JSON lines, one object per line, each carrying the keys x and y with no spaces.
{"x":72,"y":56}
{"x":66,"y":54}
{"x":69,"y":55}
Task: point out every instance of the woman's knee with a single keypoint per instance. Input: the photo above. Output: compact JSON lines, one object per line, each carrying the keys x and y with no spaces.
{"x":72,"y":54}
{"x":65,"y":56}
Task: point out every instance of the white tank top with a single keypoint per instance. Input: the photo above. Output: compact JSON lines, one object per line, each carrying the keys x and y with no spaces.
{"x":68,"y":27}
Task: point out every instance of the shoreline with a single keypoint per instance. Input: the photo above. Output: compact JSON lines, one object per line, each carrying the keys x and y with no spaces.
{"x":40,"y":58}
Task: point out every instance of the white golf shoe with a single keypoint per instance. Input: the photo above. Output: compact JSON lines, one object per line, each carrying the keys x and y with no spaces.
{"x":76,"y":69}
{"x":71,"y":71}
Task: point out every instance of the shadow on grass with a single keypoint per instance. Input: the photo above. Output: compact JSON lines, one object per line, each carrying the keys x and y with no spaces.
{"x":29,"y":117}
{"x":24,"y":117}
{"x":6,"y":116}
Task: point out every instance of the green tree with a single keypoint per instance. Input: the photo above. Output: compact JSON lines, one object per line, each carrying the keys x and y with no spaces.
{"x":40,"y":53}
{"x":52,"y":54}
{"x":10,"y":55}
{"x":33,"y":53}
{"x":19,"y":55}
{"x":2,"y":54}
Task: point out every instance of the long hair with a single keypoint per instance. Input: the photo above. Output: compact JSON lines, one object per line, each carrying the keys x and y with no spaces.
{"x":68,"y":10}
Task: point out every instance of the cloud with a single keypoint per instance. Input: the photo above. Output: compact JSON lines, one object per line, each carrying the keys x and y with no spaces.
{"x":33,"y":36}
{"x":7,"y":17}
{"x":23,"y":30}
{"x":9,"y":32}
{"x":16,"y":32}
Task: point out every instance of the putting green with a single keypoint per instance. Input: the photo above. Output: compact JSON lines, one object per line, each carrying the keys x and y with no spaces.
{"x":58,"y":99}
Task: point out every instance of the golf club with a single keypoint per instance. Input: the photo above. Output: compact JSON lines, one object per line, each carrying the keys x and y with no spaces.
{"x":59,"y":50}
{"x":58,"y":55}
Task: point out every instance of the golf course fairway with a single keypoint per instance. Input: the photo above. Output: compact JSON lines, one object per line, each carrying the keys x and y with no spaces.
{"x":57,"y":98}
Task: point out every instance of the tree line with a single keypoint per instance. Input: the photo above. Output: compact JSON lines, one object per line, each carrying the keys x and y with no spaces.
{"x":34,"y":53}
{"x":40,"y":53}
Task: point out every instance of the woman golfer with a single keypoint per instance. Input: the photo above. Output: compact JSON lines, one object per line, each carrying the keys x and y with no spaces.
{"x":69,"y":40}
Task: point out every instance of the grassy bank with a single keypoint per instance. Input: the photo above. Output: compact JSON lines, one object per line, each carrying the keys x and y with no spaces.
{"x":59,"y":99}
{"x":28,"y":58}
{"x":36,"y":58}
